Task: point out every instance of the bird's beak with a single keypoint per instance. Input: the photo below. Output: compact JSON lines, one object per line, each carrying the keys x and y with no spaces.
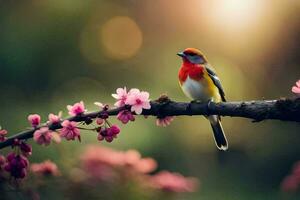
{"x":181,"y":54}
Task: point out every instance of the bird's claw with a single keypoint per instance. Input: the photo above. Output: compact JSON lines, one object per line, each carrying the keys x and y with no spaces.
{"x":209,"y":104}
{"x":189,"y":106}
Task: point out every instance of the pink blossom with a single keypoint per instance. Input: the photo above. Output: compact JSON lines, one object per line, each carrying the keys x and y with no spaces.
{"x":2,"y":135}
{"x":114,"y":130}
{"x":54,"y":118}
{"x":103,"y":162}
{"x":2,"y":163}
{"x":125,"y":116}
{"x":133,"y":159}
{"x":100,"y":136}
{"x":99,"y":162}
{"x":290,"y":184}
{"x":108,"y":133}
{"x":138,"y":100}
{"x":43,"y":136}
{"x":76,"y":109}
{"x":296,"y":88}
{"x":145,"y":165}
{"x":25,"y":148}
{"x":174,"y":182}
{"x":2,"y":160}
{"x":99,"y":121}
{"x":69,"y":130}
{"x":46,"y":168}
{"x":16,"y":165}
{"x":164,"y":121}
{"x":103,"y":155}
{"x":16,"y":142}
{"x":34,"y":120}
{"x":120,"y":96}
{"x":296,"y":170}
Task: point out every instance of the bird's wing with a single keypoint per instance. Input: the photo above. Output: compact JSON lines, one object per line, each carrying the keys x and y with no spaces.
{"x":217,"y":82}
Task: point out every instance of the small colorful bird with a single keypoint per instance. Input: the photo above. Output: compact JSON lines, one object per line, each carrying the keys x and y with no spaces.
{"x":200,"y":83}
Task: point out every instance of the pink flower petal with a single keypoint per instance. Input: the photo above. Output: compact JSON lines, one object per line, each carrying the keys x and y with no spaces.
{"x":54,"y":118}
{"x":298,"y":84}
{"x":43,"y":136}
{"x":296,"y":90}
{"x":34,"y":120}
{"x":137,"y":109}
{"x":144,"y":96}
{"x":119,"y":103}
{"x":45,"y":168}
{"x":164,"y":121}
{"x":146,"y":105}
{"x":134,"y":91}
{"x":131,"y":100}
{"x":122,"y":91}
{"x":121,"y":96}
{"x":69,"y":130}
{"x":76,"y":109}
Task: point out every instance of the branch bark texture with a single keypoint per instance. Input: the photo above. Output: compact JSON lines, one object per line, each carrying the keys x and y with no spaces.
{"x":282,"y":109}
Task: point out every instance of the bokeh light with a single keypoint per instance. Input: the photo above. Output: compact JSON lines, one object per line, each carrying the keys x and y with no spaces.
{"x":235,"y":14}
{"x":121,"y":37}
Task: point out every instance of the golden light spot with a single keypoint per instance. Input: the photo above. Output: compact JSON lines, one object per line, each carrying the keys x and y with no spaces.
{"x":121,"y":37}
{"x":236,"y":14}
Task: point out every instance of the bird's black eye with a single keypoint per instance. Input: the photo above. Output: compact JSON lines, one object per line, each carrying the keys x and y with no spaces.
{"x":191,"y":54}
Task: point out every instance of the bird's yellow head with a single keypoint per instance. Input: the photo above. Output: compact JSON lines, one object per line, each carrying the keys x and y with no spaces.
{"x":193,"y":55}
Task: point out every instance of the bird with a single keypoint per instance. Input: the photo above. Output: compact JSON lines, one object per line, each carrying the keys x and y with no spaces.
{"x":200,"y":83}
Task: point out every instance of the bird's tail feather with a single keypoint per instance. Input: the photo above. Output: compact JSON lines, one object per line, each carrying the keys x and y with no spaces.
{"x":219,"y":134}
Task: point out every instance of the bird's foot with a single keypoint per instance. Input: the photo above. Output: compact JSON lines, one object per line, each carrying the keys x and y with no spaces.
{"x":209,"y":104}
{"x":189,"y":106}
{"x":195,"y":101}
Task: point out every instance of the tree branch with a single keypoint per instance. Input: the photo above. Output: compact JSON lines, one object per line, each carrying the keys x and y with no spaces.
{"x":282,"y":109}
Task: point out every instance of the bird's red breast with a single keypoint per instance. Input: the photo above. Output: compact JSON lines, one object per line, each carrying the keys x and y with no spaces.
{"x":194,"y":71}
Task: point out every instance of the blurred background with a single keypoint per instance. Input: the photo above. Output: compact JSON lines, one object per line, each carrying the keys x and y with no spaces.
{"x":58,"y":52}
